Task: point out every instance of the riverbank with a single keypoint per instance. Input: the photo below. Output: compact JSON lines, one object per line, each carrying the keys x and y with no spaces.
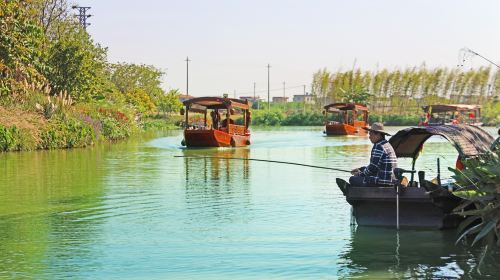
{"x":78,"y":126}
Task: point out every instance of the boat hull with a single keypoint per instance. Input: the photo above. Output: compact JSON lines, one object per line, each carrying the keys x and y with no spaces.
{"x":376,"y":206}
{"x":344,"y":129}
{"x":214,"y":138}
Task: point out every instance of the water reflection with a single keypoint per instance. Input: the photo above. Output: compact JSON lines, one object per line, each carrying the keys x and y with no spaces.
{"x":410,"y":254}
{"x":43,"y":213}
{"x":216,"y":189}
{"x":215,"y":169}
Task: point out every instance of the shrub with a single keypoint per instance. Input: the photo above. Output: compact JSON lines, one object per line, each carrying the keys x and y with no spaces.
{"x":409,"y":120}
{"x":304,"y":118}
{"x":14,"y":139}
{"x":268,"y":118}
{"x":113,"y":129}
{"x":67,"y":132}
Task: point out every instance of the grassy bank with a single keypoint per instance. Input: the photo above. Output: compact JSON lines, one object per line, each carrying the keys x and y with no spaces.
{"x":75,"y":127}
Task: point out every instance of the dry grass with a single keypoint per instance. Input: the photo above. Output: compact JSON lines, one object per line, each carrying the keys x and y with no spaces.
{"x":23,"y":120}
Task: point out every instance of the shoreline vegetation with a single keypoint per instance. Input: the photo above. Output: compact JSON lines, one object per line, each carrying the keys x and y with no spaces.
{"x":58,"y":90}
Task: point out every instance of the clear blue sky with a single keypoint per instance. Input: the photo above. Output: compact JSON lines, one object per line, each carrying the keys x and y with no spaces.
{"x":230,"y":42}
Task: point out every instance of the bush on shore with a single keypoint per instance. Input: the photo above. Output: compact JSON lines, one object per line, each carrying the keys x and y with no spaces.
{"x":15,"y":139}
{"x":274,"y":118}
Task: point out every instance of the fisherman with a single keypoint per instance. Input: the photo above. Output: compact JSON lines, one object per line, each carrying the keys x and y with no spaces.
{"x":383,"y":161}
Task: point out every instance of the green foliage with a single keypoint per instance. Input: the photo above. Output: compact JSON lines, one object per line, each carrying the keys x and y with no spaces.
{"x":49,"y":65}
{"x":116,"y":125}
{"x":397,"y":120}
{"x":141,"y":86}
{"x":14,"y":139}
{"x":77,"y":66}
{"x":67,"y":132}
{"x":479,"y":185}
{"x":21,"y":49}
{"x":356,"y":94}
{"x":141,"y":101}
{"x":490,"y":114}
{"x":160,"y":123}
{"x":301,"y":118}
{"x":268,"y":118}
{"x":406,"y":90}
{"x":114,"y":130}
{"x":170,"y":103}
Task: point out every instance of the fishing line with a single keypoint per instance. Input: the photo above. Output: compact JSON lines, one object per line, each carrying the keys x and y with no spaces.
{"x":265,"y":160}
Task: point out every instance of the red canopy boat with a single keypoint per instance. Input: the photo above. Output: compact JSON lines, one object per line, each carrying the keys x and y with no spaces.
{"x":216,"y":131}
{"x":350,"y":119}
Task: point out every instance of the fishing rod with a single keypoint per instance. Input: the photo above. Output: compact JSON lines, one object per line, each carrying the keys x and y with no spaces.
{"x":265,"y":160}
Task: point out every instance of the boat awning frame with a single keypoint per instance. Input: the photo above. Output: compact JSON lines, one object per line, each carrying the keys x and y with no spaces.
{"x":440,"y":108}
{"x":470,"y":141}
{"x":201,"y":104}
{"x":334,"y":107}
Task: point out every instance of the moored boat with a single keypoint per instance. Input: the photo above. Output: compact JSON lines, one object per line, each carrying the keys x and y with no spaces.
{"x":349,"y":119}
{"x":440,"y":114}
{"x":422,"y":204}
{"x":216,"y":127}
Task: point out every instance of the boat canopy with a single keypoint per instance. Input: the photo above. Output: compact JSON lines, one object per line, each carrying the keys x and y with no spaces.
{"x":438,"y":108}
{"x":470,"y":141}
{"x":201,"y":104}
{"x":335,"y":107}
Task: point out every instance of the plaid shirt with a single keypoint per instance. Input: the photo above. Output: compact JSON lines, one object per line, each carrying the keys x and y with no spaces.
{"x":383,"y":160}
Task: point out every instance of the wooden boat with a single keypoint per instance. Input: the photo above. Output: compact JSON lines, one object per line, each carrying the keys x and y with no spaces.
{"x":350,"y":119}
{"x":440,"y":114}
{"x":217,"y":131}
{"x":423,"y":204}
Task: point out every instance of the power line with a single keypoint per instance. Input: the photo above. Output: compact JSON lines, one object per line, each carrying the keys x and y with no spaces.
{"x":273,"y":89}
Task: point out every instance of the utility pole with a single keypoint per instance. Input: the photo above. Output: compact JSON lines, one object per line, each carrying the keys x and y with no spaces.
{"x":268,"y":101}
{"x":304,"y":98}
{"x":254,"y":98}
{"x":82,"y":15}
{"x":187,"y":75}
{"x":284,"y":97}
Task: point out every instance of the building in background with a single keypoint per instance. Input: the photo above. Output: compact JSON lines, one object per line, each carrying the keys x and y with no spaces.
{"x":280,"y":99}
{"x":306,"y":98}
{"x":251,"y":98}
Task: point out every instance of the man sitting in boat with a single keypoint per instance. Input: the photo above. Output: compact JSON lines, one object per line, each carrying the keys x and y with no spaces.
{"x":383,"y":161}
{"x":227,"y":120}
{"x":224,"y":122}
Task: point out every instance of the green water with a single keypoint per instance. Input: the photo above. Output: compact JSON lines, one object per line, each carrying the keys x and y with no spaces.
{"x":133,"y":211}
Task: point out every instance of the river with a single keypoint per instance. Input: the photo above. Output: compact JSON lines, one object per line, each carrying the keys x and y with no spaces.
{"x":131,"y":210}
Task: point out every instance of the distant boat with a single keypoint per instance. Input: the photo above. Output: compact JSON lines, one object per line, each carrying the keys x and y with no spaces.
{"x":215,"y":126}
{"x":350,"y":119}
{"x":440,"y":114}
{"x":422,"y":204}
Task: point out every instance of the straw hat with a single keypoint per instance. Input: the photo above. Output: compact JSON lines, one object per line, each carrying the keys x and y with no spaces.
{"x":377,"y":127}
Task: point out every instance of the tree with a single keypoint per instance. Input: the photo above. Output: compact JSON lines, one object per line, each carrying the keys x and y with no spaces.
{"x":78,"y":66}
{"x":21,"y":49}
{"x":133,"y":79}
{"x":170,"y":102}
